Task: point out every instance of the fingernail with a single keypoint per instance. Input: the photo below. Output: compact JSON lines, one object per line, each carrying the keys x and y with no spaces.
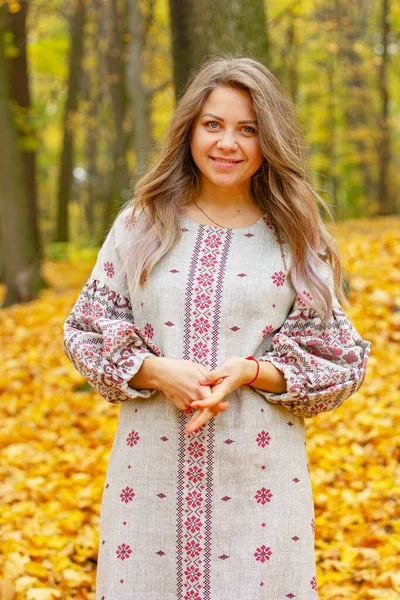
{"x":203,"y":379}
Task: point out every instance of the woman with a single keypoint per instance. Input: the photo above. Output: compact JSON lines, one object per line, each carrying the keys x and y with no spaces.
{"x":211,"y":316}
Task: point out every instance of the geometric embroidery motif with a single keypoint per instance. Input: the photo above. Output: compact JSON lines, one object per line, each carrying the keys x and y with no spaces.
{"x":196,"y":452}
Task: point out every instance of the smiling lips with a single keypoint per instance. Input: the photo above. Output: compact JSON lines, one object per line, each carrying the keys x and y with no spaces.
{"x":225,"y":161}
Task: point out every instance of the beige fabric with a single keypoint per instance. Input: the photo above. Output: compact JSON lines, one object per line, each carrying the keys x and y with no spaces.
{"x":226,"y":513}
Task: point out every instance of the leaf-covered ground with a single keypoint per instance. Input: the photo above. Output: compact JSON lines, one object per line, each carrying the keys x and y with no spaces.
{"x":55,"y":438}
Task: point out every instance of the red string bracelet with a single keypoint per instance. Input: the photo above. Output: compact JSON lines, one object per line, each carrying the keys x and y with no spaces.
{"x":258,"y":369}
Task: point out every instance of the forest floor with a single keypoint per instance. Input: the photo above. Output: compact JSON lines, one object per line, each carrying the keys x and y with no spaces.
{"x":55,"y":439}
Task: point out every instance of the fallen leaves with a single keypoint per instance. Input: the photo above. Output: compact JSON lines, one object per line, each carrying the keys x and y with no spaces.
{"x":55,"y":440}
{"x":354,"y":450}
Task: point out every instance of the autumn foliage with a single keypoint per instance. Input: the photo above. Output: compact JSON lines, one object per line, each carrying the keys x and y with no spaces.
{"x":56,"y":435}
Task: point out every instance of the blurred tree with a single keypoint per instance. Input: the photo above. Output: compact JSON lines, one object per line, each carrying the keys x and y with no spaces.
{"x":288,"y":21}
{"x":351,"y":23}
{"x":200,"y":29}
{"x":66,"y":166}
{"x":131,"y":58}
{"x":138,"y":92}
{"x":141,"y":92}
{"x":385,"y":198}
{"x":20,"y":94}
{"x":21,"y":267}
{"x":119,"y":175}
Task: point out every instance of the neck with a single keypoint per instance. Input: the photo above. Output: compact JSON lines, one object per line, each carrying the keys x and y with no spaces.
{"x":217,"y":198}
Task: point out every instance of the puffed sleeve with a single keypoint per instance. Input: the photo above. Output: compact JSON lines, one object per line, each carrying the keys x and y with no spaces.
{"x":100,"y":335}
{"x":323,"y":363}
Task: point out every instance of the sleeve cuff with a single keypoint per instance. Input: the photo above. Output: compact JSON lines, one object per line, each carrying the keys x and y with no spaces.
{"x":128,"y":373}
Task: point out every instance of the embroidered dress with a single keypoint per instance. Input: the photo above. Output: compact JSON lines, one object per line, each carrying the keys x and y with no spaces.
{"x":227,"y":512}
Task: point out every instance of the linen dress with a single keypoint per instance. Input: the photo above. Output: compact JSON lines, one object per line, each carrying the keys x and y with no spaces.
{"x":225,"y":513}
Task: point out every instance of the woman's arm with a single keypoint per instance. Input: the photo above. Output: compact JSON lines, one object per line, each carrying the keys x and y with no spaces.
{"x":148,"y":374}
{"x":179,"y":380}
{"x":269,"y":378}
{"x":100,"y":335}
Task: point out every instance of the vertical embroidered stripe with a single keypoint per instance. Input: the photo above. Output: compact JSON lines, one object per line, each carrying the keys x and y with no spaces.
{"x":196,"y":452}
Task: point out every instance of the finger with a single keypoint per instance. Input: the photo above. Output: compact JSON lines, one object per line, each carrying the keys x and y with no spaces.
{"x":210,"y":377}
{"x":218,"y":382}
{"x":213,"y":400}
{"x":199,"y":421}
{"x":201,"y":417}
{"x":222,"y":406}
{"x":193,"y":418}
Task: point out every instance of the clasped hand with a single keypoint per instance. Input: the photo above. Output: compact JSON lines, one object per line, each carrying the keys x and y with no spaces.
{"x":189,"y":385}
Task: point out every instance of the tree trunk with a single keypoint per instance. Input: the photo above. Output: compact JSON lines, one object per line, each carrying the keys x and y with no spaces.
{"x":92,"y":91}
{"x":386,"y":205}
{"x":292,"y":57}
{"x":200,"y":29}
{"x":352,"y":22}
{"x":331,"y":148}
{"x":21,"y":267}
{"x":20,"y":94}
{"x":119,"y":181}
{"x":75,"y":67}
{"x":138,"y":93}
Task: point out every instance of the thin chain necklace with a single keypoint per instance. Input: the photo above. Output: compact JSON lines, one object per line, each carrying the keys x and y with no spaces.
{"x":204,"y":213}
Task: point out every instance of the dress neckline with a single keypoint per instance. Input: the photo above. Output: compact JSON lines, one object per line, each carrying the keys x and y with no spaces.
{"x":188,"y":220}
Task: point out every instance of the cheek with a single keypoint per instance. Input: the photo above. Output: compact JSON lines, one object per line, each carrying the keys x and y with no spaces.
{"x":195,"y":143}
{"x":256,"y":154}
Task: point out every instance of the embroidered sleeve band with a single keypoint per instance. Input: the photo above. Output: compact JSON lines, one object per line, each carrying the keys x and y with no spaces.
{"x":322,"y":364}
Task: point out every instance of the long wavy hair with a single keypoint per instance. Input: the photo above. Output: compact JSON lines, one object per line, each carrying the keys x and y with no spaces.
{"x":282,"y":186}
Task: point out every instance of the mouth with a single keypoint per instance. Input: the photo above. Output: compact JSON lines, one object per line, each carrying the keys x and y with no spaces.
{"x":225,"y":161}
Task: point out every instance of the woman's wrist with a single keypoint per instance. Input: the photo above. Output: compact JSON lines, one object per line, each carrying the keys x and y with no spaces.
{"x":250,"y":371}
{"x":149,"y":374}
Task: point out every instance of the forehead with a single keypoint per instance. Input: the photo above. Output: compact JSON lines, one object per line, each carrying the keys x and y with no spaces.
{"x":229,"y":103}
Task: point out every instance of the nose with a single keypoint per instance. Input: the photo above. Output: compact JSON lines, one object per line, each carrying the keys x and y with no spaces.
{"x":227,"y":141}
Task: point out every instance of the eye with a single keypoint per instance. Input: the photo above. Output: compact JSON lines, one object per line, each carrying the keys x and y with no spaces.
{"x":249,"y":129}
{"x":212,"y":124}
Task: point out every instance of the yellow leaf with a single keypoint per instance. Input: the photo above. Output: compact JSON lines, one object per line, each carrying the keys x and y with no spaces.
{"x":42,"y":594}
{"x":36,"y":570}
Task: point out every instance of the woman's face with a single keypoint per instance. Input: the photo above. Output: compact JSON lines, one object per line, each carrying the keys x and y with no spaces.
{"x":224,"y":142}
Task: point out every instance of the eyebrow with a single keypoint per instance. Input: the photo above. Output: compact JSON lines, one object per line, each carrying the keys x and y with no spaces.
{"x":246,"y":122}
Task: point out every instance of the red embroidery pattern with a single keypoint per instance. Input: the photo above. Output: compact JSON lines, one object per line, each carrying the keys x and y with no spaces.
{"x":263,"y":496}
{"x":105,"y":360}
{"x":263,"y":553}
{"x":278,"y":278}
{"x":268,"y":329}
{"x":127,"y":495}
{"x":132,"y":438}
{"x":320,"y":371}
{"x":196,"y":453}
{"x":263,"y":439}
{"x":269,"y":223}
{"x":313,"y":584}
{"x":123,"y":551}
{"x":148,"y":330}
{"x":109,"y":269}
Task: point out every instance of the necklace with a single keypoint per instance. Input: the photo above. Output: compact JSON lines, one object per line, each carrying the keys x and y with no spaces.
{"x":207,"y":215}
{"x":278,"y":238}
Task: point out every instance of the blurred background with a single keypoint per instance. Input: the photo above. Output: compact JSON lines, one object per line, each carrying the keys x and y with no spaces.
{"x":87,"y":88}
